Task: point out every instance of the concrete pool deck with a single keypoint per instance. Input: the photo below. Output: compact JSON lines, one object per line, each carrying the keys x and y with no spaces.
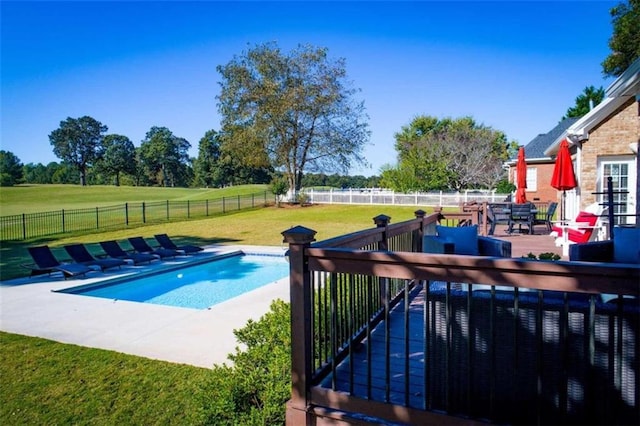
{"x":202,"y":338}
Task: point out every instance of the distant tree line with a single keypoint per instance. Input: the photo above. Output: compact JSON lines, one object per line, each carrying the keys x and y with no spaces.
{"x":160,"y":160}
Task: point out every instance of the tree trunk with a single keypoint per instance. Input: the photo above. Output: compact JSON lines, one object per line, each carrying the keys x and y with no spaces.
{"x":164,"y":177}
{"x":298,"y":181}
{"x":83,"y":177}
{"x":117,"y":179}
{"x":291,"y":180}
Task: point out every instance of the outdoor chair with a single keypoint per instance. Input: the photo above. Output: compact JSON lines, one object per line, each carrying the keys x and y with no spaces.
{"x":521,"y":214}
{"x":623,"y":248}
{"x":166,"y":243}
{"x":547,"y":217}
{"x":80,"y":254}
{"x":581,"y":230}
{"x":46,"y":263}
{"x":113,"y":250}
{"x":464,"y":240}
{"x":495,"y":216}
{"x":141,"y":246}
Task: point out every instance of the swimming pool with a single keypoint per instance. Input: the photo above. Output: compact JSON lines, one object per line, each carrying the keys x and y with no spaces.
{"x":196,"y":286}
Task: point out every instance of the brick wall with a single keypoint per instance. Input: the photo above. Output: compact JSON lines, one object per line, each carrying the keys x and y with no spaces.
{"x":610,"y":138}
{"x":544,"y":191}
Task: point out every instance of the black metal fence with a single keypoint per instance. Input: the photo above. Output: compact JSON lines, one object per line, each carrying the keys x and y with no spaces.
{"x":32,"y":225}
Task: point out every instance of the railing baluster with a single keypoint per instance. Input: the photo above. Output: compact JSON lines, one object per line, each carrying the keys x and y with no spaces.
{"x":387,"y":342}
{"x":470,"y":346}
{"x":333,"y":293}
{"x":539,"y":361}
{"x":492,"y":351}
{"x":351,"y":332}
{"x":564,"y":354}
{"x":370,"y":311}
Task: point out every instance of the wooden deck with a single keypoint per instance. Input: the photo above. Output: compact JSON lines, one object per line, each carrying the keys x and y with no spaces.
{"x":523,"y":244}
{"x":391,"y":365}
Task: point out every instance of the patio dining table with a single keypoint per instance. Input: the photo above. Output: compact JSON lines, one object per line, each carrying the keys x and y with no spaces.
{"x":532,"y":217}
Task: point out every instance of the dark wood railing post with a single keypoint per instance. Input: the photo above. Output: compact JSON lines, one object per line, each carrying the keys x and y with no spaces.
{"x":420,"y":214}
{"x":382,"y":221}
{"x":485,"y":218}
{"x":299,"y":238}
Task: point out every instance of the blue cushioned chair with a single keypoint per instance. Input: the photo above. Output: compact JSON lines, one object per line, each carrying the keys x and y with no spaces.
{"x":623,"y":248}
{"x":464,"y":240}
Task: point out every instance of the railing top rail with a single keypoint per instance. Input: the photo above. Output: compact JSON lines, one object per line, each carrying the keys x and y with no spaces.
{"x":355,"y":239}
{"x":583,"y":277}
{"x":362,"y":238}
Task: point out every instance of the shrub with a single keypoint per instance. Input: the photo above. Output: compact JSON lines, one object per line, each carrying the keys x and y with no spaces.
{"x":254,"y":390}
{"x":505,"y":187}
{"x":303,"y":198}
{"x":543,"y":256}
{"x":279,"y":187}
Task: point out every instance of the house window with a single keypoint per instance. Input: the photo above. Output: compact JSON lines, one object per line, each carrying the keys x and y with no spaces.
{"x":532,"y":179}
{"x":622,"y":172}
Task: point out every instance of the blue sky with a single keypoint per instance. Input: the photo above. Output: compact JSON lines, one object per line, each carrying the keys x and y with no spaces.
{"x":513,"y":65}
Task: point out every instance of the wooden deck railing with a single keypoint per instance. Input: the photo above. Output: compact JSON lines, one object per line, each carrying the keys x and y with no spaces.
{"x":381,"y":330}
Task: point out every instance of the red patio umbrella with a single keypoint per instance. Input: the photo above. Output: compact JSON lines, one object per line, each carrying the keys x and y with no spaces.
{"x":521,"y":178}
{"x":563,"y":177}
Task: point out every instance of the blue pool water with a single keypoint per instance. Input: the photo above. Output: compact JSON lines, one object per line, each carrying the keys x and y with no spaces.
{"x":197,"y":286}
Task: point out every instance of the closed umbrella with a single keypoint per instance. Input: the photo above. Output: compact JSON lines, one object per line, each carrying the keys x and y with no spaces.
{"x":563,"y":177}
{"x":521,"y":178}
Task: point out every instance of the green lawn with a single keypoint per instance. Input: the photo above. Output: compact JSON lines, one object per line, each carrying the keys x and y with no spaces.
{"x":44,"y":382}
{"x":48,"y":383}
{"x":40,"y":198}
{"x":260,"y":226}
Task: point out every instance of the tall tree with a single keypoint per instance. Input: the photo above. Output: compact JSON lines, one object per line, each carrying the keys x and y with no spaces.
{"x":119,"y":157}
{"x":78,"y":142}
{"x":207,"y":168}
{"x":294,"y":111}
{"x":165,"y":157}
{"x":10,"y":168}
{"x":625,"y":41}
{"x":588,"y":99}
{"x":447,"y":154}
{"x":36,"y":173}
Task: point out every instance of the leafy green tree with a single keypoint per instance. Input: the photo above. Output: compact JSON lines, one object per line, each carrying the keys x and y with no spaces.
{"x":78,"y":142}
{"x":447,"y":154}
{"x":505,"y":187}
{"x":165,"y":157}
{"x":36,"y":173}
{"x":63,"y":173}
{"x":279,"y":187}
{"x":10,"y":168}
{"x":291,"y":111}
{"x":625,"y":41}
{"x":119,"y":157}
{"x":207,"y":167}
{"x":401,"y":178}
{"x":589,"y":98}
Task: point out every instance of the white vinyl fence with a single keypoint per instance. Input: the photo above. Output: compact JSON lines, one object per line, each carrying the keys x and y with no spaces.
{"x":388,"y":197}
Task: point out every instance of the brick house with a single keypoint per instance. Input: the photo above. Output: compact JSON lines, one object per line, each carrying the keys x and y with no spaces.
{"x":540,"y":165}
{"x":604,"y":143}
